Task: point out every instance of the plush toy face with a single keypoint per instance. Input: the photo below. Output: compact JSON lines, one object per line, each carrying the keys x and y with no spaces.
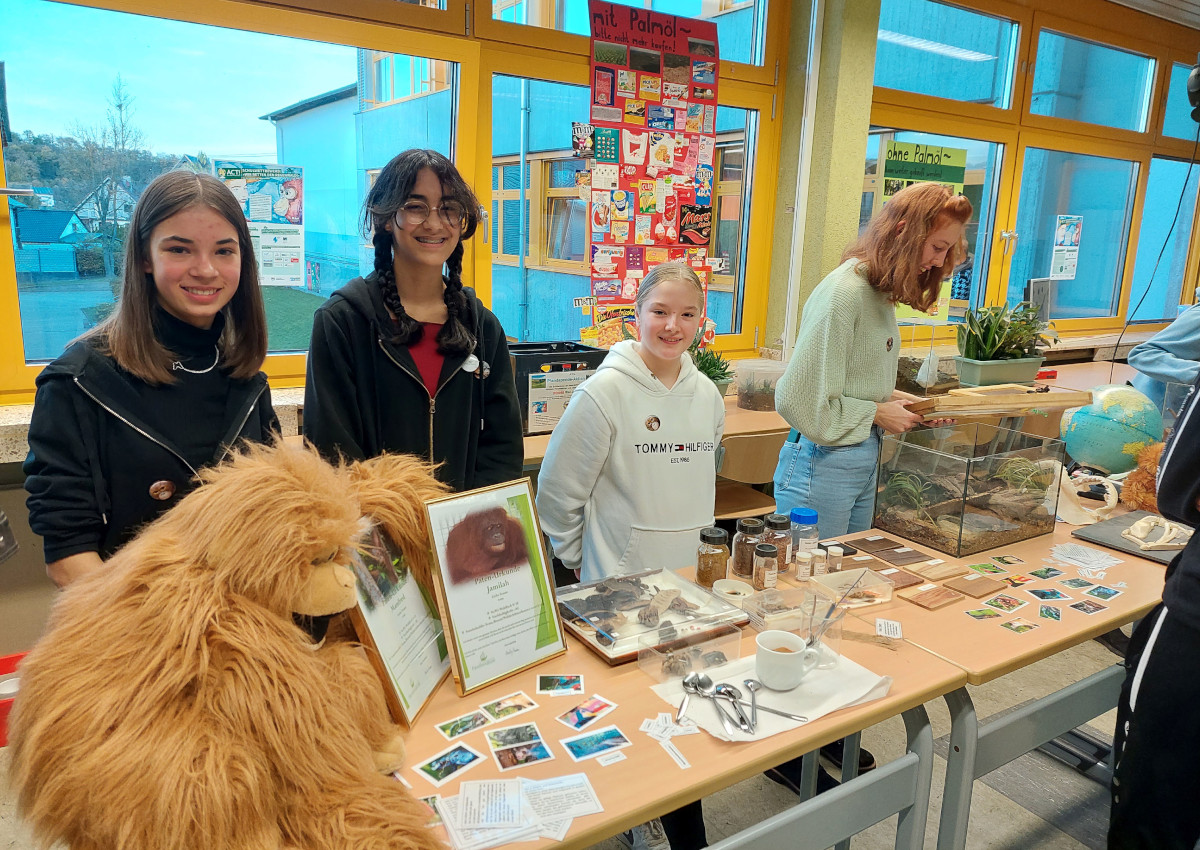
{"x":330,"y":589}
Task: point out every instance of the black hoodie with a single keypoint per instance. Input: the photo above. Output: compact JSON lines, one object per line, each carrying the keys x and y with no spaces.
{"x":1178,"y":491}
{"x":364,"y":395}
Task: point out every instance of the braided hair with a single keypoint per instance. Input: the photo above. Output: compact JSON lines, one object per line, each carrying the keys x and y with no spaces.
{"x":391,"y":190}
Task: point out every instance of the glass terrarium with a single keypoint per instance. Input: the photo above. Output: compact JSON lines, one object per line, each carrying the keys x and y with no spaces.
{"x":965,"y":488}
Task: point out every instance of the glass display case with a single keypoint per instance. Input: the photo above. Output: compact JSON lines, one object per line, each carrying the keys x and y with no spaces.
{"x":965,"y":488}
{"x":616,"y":616}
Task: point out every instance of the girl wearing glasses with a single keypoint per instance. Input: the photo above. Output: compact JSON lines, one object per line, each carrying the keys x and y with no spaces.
{"x":407,"y":359}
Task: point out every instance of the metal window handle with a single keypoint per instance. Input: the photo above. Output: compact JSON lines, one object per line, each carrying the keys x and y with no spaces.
{"x":17,"y":192}
{"x":1010,"y":239}
{"x":487,"y":228}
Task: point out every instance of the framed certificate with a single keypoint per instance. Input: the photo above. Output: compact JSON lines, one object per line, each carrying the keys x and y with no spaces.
{"x":494,"y":584}
{"x":397,"y":620}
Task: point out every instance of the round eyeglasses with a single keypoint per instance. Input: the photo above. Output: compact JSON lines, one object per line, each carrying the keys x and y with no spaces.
{"x":416,"y":213}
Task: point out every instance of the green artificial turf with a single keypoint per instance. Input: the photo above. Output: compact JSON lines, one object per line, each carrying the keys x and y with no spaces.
{"x":289,"y":317}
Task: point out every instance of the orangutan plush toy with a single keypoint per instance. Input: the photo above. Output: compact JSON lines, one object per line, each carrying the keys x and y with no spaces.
{"x":1141,"y":488}
{"x":173,"y":702}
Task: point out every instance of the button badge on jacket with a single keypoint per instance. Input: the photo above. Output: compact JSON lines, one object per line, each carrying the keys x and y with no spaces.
{"x":162,"y":490}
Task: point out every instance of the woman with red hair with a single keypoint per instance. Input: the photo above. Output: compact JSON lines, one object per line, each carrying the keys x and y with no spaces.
{"x":839,"y":391}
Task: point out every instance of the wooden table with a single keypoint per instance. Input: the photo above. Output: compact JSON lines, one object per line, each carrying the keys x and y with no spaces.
{"x":985,"y":651}
{"x":648,"y":783}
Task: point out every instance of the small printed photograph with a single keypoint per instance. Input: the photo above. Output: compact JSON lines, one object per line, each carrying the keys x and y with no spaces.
{"x":1102,"y":592}
{"x":509,"y":705}
{"x":556,"y":686}
{"x":1019,"y":626}
{"x":1003,"y":602}
{"x":586,"y":712}
{"x":510,"y":736}
{"x":1076,"y":583}
{"x":608,"y":53}
{"x":700,"y":47}
{"x":592,"y":744}
{"x":983,"y":614}
{"x":1046,"y":572}
{"x":677,"y":68}
{"x":1007,"y":560}
{"x":448,"y":763}
{"x":432,"y":802}
{"x":1049,"y":612}
{"x":703,"y":93}
{"x":522,"y":754}
{"x":1017,"y":580}
{"x":987,"y":569}
{"x":1089,"y":607}
{"x":459,"y":726}
{"x":1047,"y":594}
{"x":704,"y":72}
{"x":646,"y":61}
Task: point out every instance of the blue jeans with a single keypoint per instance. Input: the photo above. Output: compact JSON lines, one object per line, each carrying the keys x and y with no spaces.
{"x":838,"y":482}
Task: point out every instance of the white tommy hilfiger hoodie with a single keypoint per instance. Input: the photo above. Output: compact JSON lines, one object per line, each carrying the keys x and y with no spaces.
{"x":629,"y":477}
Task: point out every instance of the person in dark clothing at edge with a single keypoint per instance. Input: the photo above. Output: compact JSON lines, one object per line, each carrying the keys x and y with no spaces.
{"x":167,"y":384}
{"x":1156,"y":781}
{"x":408,"y":359}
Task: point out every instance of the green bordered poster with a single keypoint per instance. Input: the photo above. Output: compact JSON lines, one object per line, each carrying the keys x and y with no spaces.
{"x":494,"y":584}
{"x":905,"y":163}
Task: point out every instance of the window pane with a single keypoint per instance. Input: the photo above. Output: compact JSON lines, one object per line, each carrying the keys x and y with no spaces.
{"x":534,"y":301}
{"x":944,"y":51}
{"x":980,"y":182}
{"x":1099,"y":189}
{"x":1178,"y":121}
{"x":567,"y":230}
{"x":92,"y":140}
{"x":741,"y":24}
{"x":737,"y":140}
{"x":1165,"y":198}
{"x":1085,"y":81}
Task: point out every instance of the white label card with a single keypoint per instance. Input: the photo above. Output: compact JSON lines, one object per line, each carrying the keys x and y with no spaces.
{"x":888,"y":628}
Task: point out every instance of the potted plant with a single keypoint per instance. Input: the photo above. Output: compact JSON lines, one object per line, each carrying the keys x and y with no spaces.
{"x":708,"y":360}
{"x":1002,"y":345}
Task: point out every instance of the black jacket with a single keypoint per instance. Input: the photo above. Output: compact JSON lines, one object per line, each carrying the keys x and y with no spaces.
{"x":93,"y":459}
{"x":1178,"y":499}
{"x":364,"y":395}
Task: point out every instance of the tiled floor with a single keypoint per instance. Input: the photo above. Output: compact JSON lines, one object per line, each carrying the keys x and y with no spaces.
{"x":996,"y":821}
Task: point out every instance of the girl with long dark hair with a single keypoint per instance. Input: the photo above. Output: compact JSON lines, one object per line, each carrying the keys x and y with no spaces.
{"x":407,"y":359}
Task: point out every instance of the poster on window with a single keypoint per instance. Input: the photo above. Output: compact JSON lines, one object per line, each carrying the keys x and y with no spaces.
{"x":905,"y":163}
{"x":272,"y":199}
{"x":654,"y":80}
{"x":1065,"y":257}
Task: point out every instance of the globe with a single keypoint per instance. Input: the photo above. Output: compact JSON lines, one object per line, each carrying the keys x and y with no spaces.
{"x":1108,"y":433}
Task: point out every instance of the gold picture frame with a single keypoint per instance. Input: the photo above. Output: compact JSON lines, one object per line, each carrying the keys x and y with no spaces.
{"x":494,"y":584}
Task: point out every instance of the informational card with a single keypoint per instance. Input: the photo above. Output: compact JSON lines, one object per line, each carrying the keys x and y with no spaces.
{"x":398,"y":618}
{"x":1064,"y":259}
{"x":272,"y":199}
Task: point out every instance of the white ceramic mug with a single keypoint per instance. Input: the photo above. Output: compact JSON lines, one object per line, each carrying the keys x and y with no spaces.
{"x":783,"y":659}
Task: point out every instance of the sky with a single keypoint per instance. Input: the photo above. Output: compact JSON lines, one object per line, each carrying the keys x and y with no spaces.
{"x":194,"y":87}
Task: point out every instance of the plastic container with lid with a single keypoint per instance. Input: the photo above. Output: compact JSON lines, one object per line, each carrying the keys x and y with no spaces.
{"x":712,"y":558}
{"x":779,"y":534}
{"x":766,"y":566}
{"x":804,"y":530}
{"x":756,"y":380}
{"x":749,"y":534}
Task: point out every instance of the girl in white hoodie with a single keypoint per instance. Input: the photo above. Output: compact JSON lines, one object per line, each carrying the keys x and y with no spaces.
{"x":629,"y":477}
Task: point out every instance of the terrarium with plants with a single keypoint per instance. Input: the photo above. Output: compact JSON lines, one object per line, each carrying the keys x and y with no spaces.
{"x":965,"y":488}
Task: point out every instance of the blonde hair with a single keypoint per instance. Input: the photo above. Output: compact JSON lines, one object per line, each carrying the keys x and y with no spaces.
{"x":889,"y":250}
{"x":674,"y":270}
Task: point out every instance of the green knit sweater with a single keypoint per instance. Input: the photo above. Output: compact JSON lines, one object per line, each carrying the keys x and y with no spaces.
{"x":844,"y":360}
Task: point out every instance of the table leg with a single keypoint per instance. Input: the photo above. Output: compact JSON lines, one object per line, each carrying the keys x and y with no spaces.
{"x":960,"y":771}
{"x":978,"y":750}
{"x":900,"y":786}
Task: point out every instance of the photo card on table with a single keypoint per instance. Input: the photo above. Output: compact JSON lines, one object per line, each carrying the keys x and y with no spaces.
{"x":494,"y":584}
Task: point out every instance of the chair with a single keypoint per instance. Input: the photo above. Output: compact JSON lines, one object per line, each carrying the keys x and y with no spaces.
{"x":746,"y":459}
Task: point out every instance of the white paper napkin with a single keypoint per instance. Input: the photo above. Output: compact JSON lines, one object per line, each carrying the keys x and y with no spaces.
{"x":821,"y":692}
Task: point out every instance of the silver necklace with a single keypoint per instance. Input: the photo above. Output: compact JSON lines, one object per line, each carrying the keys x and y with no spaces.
{"x":175,"y":364}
